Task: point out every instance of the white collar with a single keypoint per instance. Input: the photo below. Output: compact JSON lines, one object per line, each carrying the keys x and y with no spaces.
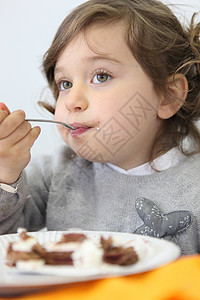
{"x":161,"y":163}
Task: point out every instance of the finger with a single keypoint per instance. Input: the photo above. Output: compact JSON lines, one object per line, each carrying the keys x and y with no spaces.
{"x":35,"y":132}
{"x":3,"y":115}
{"x":11,"y":122}
{"x":4,"y":107}
{"x":17,"y":135}
{"x":27,"y":142}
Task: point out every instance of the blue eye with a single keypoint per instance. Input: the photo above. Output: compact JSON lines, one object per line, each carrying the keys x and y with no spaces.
{"x":101,"y":78}
{"x":64,"y":85}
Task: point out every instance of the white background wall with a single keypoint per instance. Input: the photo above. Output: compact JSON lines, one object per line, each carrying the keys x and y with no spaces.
{"x":27,"y":28}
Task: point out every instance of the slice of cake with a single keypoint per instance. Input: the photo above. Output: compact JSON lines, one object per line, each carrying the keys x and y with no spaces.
{"x":118,"y":254}
{"x":26,"y":249}
{"x":60,"y":253}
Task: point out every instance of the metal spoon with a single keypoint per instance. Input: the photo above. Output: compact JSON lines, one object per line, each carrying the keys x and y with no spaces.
{"x":51,"y":121}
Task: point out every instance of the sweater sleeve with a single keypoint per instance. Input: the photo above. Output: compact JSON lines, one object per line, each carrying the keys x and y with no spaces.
{"x":27,"y":207}
{"x":11,"y":206}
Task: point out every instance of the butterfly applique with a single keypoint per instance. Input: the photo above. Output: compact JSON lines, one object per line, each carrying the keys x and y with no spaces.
{"x":159,"y":224}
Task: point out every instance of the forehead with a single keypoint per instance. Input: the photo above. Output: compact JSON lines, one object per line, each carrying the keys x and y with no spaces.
{"x":99,"y":39}
{"x":105,"y":35}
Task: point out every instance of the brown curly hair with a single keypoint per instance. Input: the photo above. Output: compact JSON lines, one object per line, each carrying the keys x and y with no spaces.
{"x":161,"y":46}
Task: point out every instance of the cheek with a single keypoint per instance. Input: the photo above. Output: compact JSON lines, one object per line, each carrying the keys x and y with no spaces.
{"x":64,"y":134}
{"x":58,"y":112}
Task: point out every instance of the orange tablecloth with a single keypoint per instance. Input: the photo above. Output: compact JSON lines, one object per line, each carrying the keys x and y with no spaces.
{"x":179,"y":280}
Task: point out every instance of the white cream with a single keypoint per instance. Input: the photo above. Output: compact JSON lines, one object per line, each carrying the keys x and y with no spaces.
{"x":31,"y":264}
{"x":24,"y":245}
{"x":21,"y":229}
{"x":89,"y":255}
{"x":71,"y":246}
{"x":117,"y":242}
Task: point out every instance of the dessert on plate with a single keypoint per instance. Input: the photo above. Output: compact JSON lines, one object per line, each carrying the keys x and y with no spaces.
{"x":73,"y":249}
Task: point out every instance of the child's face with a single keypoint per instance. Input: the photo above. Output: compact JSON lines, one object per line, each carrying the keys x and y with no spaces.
{"x":106,"y":90}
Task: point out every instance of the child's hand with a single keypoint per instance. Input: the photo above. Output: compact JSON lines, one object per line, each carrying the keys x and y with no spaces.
{"x":16,"y":140}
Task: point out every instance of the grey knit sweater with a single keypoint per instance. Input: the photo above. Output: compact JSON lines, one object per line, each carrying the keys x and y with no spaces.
{"x":70,"y":192}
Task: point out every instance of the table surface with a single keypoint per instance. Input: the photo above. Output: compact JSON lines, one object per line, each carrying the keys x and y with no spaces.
{"x":179,"y":280}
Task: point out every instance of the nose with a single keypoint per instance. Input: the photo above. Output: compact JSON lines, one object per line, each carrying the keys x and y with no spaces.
{"x":76,"y":99}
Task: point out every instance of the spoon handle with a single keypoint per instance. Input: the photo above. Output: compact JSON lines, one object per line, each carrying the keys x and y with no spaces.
{"x":50,"y":121}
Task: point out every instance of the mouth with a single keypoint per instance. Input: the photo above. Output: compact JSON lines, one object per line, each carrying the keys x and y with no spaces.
{"x":79,"y":129}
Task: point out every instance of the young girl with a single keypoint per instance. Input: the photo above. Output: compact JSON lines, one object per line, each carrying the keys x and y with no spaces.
{"x":125,"y":75}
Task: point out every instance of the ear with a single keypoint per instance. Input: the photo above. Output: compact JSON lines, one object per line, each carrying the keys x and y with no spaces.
{"x":177,"y":87}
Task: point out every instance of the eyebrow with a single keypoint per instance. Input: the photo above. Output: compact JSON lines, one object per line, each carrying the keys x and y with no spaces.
{"x":93,"y":58}
{"x":103,"y":57}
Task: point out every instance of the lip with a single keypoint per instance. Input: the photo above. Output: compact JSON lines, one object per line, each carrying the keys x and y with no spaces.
{"x":77,"y":125}
{"x":80,"y":128}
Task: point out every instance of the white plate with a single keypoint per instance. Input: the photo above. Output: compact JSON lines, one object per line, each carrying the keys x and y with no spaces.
{"x":155,"y":253}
